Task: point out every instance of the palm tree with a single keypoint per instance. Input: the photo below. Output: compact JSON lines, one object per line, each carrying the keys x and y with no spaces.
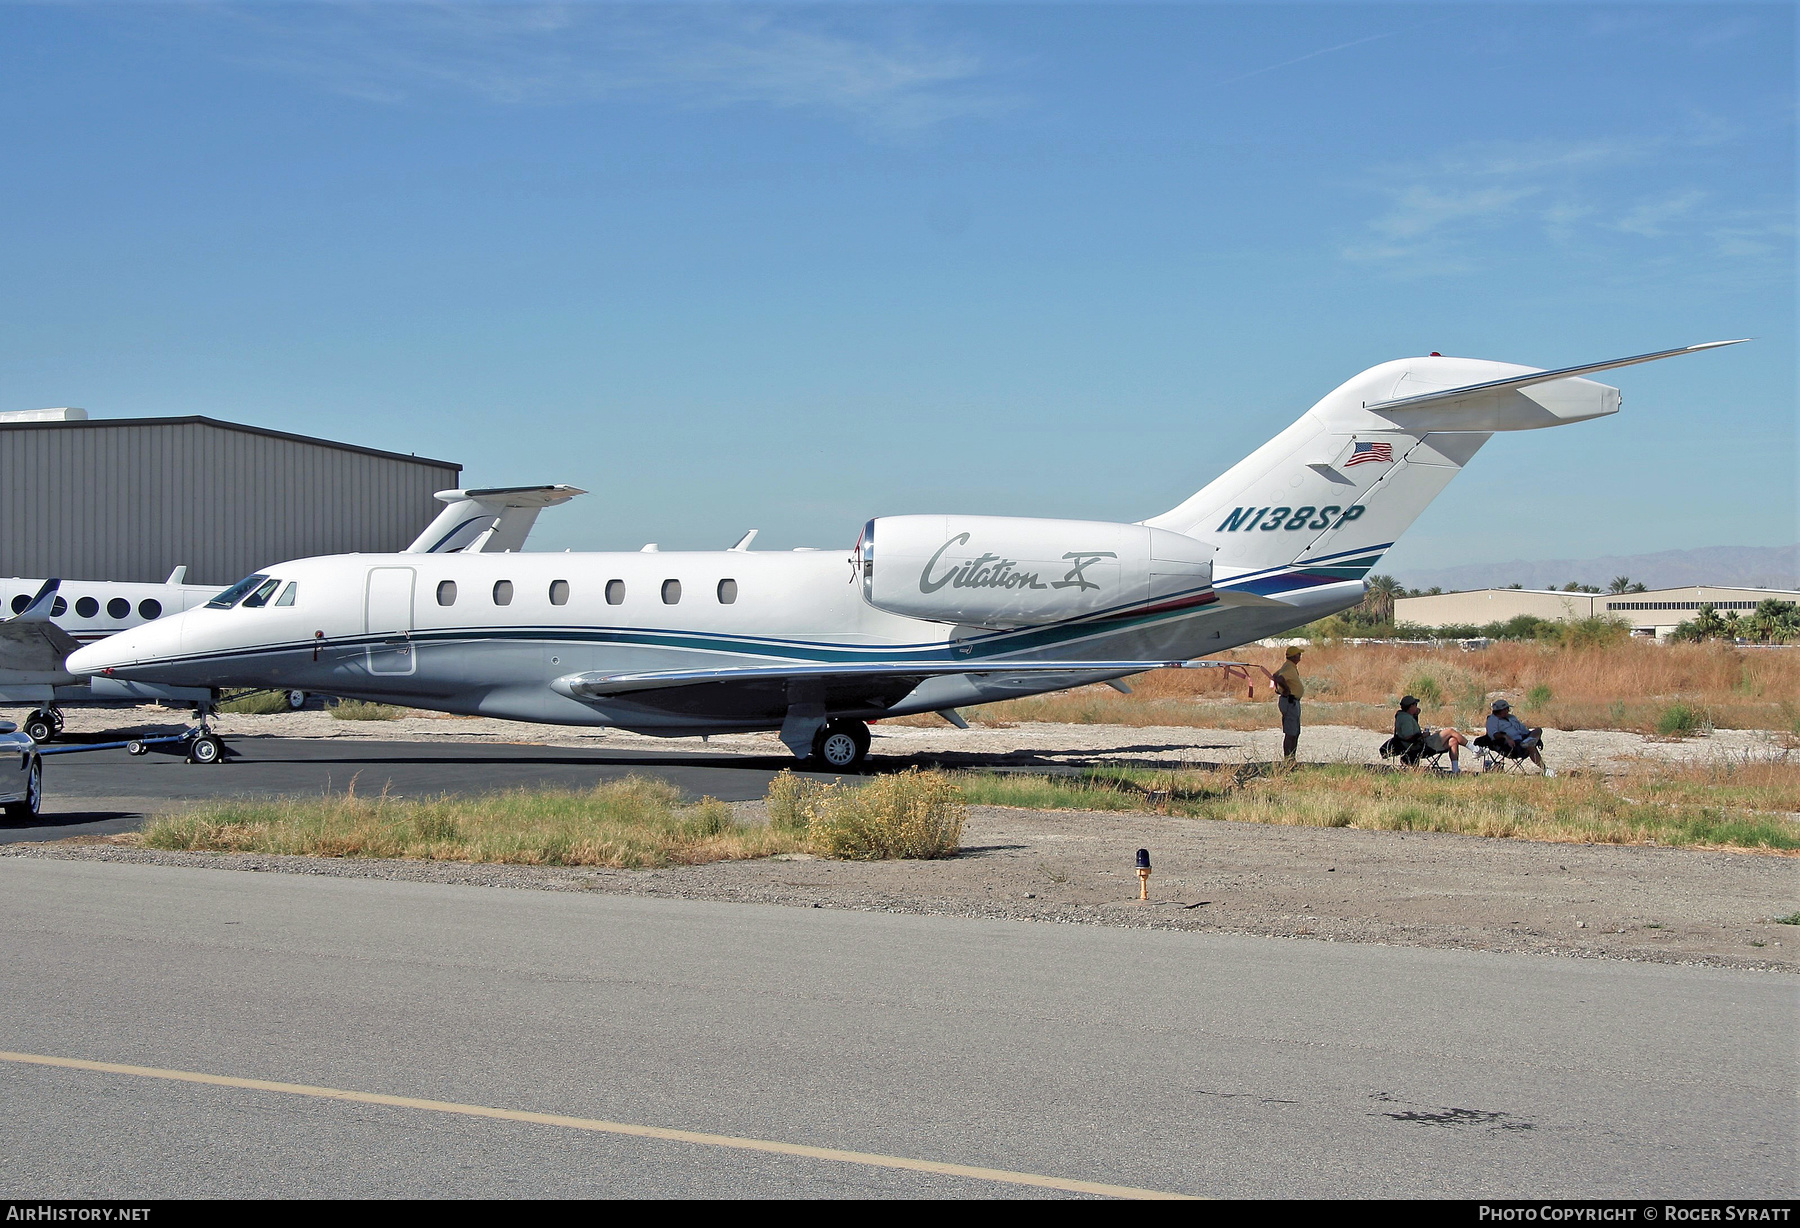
{"x":1620,"y":584}
{"x":1380,"y":599}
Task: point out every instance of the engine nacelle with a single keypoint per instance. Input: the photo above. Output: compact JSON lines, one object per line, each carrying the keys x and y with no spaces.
{"x":1008,"y":571}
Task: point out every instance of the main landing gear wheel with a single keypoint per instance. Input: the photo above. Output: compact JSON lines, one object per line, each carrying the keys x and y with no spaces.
{"x":33,"y":801}
{"x":296,"y":700}
{"x":841,"y":745}
{"x":205,"y":749}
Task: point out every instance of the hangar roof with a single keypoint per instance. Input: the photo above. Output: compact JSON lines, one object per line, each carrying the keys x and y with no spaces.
{"x":200,"y":420}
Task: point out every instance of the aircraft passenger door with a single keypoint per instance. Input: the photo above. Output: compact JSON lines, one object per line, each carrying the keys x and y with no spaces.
{"x":388,"y":613}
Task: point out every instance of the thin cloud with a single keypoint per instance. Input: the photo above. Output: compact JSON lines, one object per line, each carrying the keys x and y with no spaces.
{"x":1311,"y":55}
{"x":883,"y":75}
{"x":1652,"y":219}
{"x":1441,"y":213}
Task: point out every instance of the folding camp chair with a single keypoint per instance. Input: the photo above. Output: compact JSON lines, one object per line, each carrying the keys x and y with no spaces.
{"x":1412,"y":755}
{"x":1498,"y":756}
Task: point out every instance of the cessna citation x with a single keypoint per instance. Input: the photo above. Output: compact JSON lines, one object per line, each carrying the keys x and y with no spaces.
{"x":931,"y":612}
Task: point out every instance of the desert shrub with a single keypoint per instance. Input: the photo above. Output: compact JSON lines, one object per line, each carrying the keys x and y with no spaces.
{"x":1680,"y":720}
{"x":261,"y":703}
{"x":1592,"y":632}
{"x":1426,"y":688}
{"x":913,"y":814}
{"x":357,"y":710}
{"x":792,"y":800}
{"x":1539,"y":695}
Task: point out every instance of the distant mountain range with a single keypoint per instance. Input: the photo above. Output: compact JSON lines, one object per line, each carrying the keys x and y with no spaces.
{"x":1743,"y":566}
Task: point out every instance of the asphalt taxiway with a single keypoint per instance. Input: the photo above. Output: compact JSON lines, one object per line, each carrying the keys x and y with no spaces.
{"x":1195,"y":1063}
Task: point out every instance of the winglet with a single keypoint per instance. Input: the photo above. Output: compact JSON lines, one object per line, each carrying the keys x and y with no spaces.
{"x":1540,"y":377}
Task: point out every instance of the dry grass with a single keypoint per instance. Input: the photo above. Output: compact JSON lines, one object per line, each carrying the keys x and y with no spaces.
{"x":1745,"y":807}
{"x":262,"y":703}
{"x":912,"y":814}
{"x":1635,"y":686}
{"x":631,"y":824}
{"x":358,"y":710}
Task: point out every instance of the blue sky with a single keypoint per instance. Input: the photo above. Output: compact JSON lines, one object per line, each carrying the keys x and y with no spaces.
{"x":790,"y":267}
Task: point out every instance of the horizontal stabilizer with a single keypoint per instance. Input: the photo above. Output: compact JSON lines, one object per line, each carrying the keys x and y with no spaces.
{"x":488,"y":520}
{"x":599,"y":686}
{"x":1537,"y":377}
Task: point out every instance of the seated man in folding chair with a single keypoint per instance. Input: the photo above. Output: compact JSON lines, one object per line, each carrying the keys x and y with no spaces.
{"x":1414,"y":741}
{"x":1508,"y":735}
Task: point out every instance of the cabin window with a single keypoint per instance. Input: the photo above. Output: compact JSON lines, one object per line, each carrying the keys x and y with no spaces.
{"x":559,"y":592}
{"x":118,"y":608}
{"x":671,"y":591}
{"x":287,"y":594}
{"x":150,"y":608}
{"x":20,"y":602}
{"x":727,"y":592}
{"x":502,"y":592}
{"x":87,"y":607}
{"x":446,"y":592}
{"x":58,"y":607}
{"x":615,"y":592}
{"x":261,"y":596}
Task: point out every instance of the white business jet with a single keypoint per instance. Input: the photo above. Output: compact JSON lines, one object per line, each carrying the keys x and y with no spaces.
{"x":929,"y":613}
{"x":52,"y":618}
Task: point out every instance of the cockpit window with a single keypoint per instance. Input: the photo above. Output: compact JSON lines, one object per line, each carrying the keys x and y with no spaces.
{"x":287,"y":595}
{"x":236,"y":593}
{"x":261,"y":596}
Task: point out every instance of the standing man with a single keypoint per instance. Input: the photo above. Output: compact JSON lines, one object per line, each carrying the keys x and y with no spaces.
{"x":1288,"y":690}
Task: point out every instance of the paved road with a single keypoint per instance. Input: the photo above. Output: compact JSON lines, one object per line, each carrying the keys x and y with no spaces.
{"x":104,"y":791}
{"x":1174,"y":1061}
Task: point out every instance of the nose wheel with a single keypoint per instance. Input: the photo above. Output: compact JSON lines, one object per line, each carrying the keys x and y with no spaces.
{"x":841,"y":746}
{"x":44,"y":725}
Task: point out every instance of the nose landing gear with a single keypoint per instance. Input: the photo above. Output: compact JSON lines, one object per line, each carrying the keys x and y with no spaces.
{"x":45,"y":724}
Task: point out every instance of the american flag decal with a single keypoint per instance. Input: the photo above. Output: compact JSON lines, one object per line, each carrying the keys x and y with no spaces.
{"x":1383,"y":452}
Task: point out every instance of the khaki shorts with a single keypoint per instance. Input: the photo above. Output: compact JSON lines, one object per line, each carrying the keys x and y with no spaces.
{"x":1435,"y":743}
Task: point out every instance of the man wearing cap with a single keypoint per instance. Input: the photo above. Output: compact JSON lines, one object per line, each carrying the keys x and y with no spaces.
{"x":1288,"y":690}
{"x":1411,"y":733}
{"x":1504,"y":727}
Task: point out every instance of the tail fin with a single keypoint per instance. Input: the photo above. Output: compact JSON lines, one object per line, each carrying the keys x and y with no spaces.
{"x":1329,"y":495}
{"x":488,"y":521}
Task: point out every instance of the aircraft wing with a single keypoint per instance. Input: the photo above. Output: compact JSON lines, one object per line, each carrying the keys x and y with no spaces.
{"x":1538,"y":377}
{"x":30,"y":643}
{"x":601,"y":685}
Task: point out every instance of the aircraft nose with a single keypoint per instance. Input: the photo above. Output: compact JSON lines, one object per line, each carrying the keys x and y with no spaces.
{"x":125,"y":649}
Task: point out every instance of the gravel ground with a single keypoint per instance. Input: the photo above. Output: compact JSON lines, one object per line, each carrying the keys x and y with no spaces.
{"x":1024,"y":745}
{"x":1334,"y":885}
{"x":1330,"y":884}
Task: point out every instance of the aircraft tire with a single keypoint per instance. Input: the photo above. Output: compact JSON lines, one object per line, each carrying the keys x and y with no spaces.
{"x":33,"y":801}
{"x":296,"y":700}
{"x":39,"y":727}
{"x":841,"y":746}
{"x":205,"y":749}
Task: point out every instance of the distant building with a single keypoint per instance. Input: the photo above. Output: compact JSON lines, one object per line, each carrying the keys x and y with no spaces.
{"x":133,"y":498}
{"x":1653,"y":613}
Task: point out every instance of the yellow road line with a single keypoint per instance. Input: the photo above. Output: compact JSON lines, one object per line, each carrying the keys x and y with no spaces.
{"x":870,"y":1159}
